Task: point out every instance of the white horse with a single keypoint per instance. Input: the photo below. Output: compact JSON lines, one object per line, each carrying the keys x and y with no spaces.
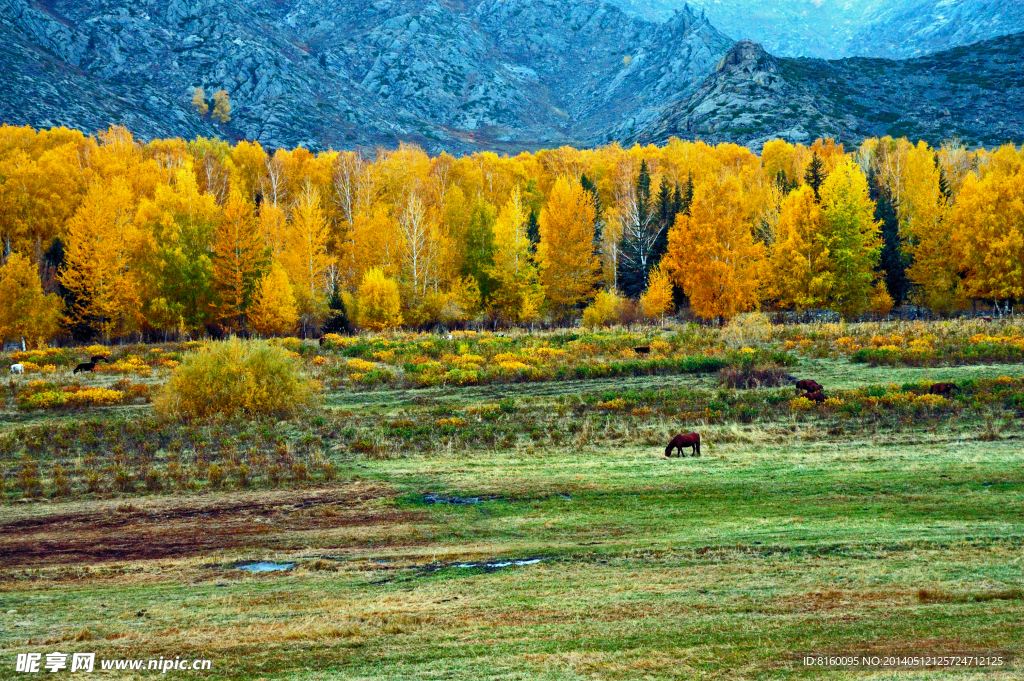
{"x":17,"y":368}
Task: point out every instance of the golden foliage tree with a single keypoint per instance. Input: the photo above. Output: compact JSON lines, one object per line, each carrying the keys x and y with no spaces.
{"x":712,"y":254}
{"x":221,"y":106}
{"x":99,"y":273}
{"x":854,"y":239}
{"x":305,"y":257}
{"x":378,"y":304}
{"x":568,"y":267}
{"x":988,"y":220}
{"x":656,"y":301}
{"x":26,"y":313}
{"x":801,"y":276}
{"x":199,"y":101}
{"x":518,"y":295}
{"x":273,"y":310}
{"x":239,"y":258}
{"x":926,"y":227}
{"x":178,"y":225}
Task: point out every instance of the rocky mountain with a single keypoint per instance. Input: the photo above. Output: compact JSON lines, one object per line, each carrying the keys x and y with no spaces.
{"x":913,"y":28}
{"x":832,"y":29}
{"x":975,"y":93}
{"x":452,"y":74}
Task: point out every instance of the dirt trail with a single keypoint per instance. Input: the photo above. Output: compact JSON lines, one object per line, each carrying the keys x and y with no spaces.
{"x":160,"y":527}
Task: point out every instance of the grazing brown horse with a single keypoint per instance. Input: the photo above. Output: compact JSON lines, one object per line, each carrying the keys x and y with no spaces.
{"x":943,"y":389}
{"x":809,"y":386}
{"x":817,"y":396}
{"x":96,"y":359}
{"x":691,"y":440}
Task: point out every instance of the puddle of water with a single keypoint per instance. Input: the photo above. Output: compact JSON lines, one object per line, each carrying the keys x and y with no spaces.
{"x":501,"y":564}
{"x":458,"y":501}
{"x":266,"y":567}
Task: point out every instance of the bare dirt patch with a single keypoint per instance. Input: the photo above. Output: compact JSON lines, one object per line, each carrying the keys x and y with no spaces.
{"x":162,"y":527}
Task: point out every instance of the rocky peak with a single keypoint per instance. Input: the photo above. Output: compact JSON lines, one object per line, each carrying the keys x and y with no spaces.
{"x":748,"y":56}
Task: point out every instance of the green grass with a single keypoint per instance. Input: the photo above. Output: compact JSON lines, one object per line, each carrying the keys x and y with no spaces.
{"x":788,"y":536}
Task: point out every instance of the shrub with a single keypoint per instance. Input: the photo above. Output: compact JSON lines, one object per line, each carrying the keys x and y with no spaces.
{"x":606,"y":309}
{"x":746,"y":377}
{"x":235,"y":378}
{"x":746,"y":330}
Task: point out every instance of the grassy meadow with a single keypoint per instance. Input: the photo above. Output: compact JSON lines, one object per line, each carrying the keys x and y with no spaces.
{"x":524,"y":523}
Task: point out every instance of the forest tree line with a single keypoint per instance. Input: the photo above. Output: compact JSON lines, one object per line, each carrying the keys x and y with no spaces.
{"x":107,"y":237}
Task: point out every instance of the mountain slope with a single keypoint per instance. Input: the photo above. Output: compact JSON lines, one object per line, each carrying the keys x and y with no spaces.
{"x":913,"y":28}
{"x":495,"y":74}
{"x":974,"y":92}
{"x":831,"y":29}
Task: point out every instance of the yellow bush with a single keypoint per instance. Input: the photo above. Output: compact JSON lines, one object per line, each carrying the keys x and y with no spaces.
{"x":333,"y":340}
{"x":606,"y":309}
{"x":454,"y":422}
{"x":833,"y":403}
{"x":360,"y":365}
{"x":126,"y":365}
{"x":237,"y":378}
{"x":801,"y":404}
{"x":747,"y":329}
{"x":319,"y":360}
{"x":509,"y":358}
{"x":661,"y":347}
{"x":932,"y":400}
{"x":612,"y":405}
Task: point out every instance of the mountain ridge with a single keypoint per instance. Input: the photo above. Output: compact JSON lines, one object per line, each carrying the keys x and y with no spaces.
{"x":499,"y":74}
{"x":975,"y":93}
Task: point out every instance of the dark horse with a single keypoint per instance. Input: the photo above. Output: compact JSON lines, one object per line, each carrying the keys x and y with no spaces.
{"x":91,"y":364}
{"x":680,"y":441}
{"x":809,"y":386}
{"x":943,"y":389}
{"x":816,"y":396}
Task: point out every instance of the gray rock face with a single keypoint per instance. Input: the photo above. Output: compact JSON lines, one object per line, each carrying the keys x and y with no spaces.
{"x":492,"y":74}
{"x":975,"y":93}
{"x":831,"y":29}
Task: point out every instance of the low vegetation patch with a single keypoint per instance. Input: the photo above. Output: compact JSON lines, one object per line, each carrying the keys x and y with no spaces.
{"x":237,"y":378}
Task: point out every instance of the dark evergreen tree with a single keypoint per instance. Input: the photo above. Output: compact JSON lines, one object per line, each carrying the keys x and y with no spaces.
{"x":815,"y":175}
{"x":894,"y":260}
{"x":591,"y":189}
{"x":667,"y":203}
{"x":687,"y":199}
{"x":337,"y":317}
{"x":943,"y":182}
{"x":787,"y":185}
{"x":643,"y":188}
{"x":641,"y":230}
{"x":533,"y":230}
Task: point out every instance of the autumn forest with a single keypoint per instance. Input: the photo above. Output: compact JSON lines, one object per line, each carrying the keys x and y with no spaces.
{"x":107,"y":237}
